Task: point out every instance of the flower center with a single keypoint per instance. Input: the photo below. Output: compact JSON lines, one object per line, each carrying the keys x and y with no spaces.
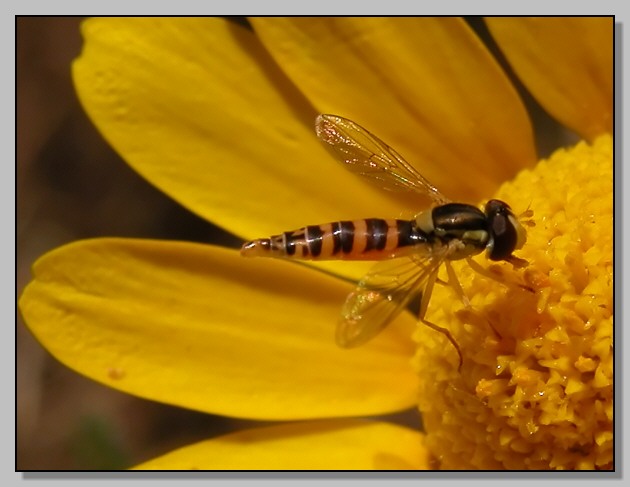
{"x":535,"y":388}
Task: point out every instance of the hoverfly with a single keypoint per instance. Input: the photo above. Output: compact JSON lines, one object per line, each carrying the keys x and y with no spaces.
{"x":414,"y":249}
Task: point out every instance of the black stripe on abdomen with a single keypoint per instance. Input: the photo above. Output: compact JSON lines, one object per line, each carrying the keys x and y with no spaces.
{"x":409,"y":233}
{"x":343,"y":234}
{"x":376,"y":234}
{"x":291,"y":239}
{"x":314,"y":237}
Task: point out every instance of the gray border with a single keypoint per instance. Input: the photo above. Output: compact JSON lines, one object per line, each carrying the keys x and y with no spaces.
{"x":619,"y":210}
{"x":621,"y":180}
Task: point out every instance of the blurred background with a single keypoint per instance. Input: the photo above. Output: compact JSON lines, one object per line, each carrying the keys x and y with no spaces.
{"x":71,"y":185}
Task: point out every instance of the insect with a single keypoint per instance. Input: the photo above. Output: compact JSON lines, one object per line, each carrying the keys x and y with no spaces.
{"x":410,"y":252}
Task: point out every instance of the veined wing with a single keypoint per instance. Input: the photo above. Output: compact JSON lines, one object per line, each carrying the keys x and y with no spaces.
{"x":367,"y":155}
{"x":382,"y":295}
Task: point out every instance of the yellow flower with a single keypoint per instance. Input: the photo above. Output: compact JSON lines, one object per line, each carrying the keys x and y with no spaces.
{"x":537,"y":392}
{"x":220,"y":118}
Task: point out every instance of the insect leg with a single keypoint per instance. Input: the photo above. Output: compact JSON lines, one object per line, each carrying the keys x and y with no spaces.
{"x":426,"y":293}
{"x":441,"y":282}
{"x":455,"y":284}
{"x":490,"y":275}
{"x":424,"y":303}
{"x":457,"y":287}
{"x":448,"y":335}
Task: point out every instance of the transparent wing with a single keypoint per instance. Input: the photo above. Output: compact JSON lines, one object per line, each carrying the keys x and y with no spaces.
{"x":382,"y":295}
{"x":370,"y":157}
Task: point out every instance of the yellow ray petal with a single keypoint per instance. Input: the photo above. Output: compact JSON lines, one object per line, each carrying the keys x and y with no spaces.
{"x":199,"y":108}
{"x":427,"y":86}
{"x":200,"y":327}
{"x":319,"y":445}
{"x":567,"y":64}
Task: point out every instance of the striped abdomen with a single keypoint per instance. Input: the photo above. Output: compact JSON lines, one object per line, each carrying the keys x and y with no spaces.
{"x":368,"y":239}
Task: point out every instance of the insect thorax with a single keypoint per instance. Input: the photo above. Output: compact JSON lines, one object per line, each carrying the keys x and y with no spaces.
{"x":462,"y":227}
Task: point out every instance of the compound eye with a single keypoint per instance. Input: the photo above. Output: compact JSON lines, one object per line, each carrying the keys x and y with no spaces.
{"x":502,"y":230}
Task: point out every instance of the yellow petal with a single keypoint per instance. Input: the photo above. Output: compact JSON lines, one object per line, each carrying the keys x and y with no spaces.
{"x":566,"y":63}
{"x":426,"y":86}
{"x":202,"y":328}
{"x":199,"y":109}
{"x":319,"y":445}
